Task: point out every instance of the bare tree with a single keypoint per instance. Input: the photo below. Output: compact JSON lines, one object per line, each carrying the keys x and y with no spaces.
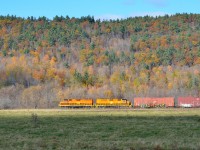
{"x":10,"y":96}
{"x":32,"y":97}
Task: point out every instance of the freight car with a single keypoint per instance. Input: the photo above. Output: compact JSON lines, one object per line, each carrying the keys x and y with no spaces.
{"x":73,"y":103}
{"x":188,"y":102}
{"x":152,"y":102}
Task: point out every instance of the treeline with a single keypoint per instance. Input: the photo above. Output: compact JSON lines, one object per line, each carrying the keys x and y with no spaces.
{"x":43,"y":61}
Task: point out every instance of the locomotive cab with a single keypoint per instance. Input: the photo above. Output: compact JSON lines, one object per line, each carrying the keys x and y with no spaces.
{"x":127,"y":102}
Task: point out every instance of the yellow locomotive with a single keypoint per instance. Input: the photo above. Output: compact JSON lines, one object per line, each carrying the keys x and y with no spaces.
{"x":99,"y":103}
{"x":113,"y":103}
{"x":76,"y":103}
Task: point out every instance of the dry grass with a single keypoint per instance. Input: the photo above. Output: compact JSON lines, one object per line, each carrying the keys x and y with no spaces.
{"x":100,"y":129}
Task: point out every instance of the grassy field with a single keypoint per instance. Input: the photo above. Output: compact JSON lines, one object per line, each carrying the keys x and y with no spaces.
{"x":100,"y":129}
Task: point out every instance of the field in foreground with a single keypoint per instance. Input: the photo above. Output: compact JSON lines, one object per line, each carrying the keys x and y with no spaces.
{"x":100,"y":129}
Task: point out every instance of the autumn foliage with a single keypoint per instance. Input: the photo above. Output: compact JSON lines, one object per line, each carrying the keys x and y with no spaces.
{"x":42,"y":60}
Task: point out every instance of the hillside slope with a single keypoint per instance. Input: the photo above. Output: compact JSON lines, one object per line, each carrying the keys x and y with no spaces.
{"x":43,"y":61}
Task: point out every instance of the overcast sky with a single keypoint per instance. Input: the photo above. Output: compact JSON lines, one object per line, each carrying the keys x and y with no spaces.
{"x":103,"y":9}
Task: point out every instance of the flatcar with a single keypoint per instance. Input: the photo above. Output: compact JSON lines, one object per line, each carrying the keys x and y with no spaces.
{"x":76,"y":103}
{"x":113,"y":103}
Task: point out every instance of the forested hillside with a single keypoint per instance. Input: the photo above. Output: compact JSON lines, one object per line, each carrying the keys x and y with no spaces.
{"x":43,"y":61}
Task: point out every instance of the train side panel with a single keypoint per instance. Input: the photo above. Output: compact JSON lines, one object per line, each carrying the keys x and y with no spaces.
{"x":112,"y":102}
{"x":154,"y":102}
{"x":76,"y":103}
{"x":188,"y":102}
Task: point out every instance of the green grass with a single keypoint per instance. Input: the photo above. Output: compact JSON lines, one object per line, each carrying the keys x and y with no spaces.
{"x":100,"y":129}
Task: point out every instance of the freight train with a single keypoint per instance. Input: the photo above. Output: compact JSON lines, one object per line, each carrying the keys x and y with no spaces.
{"x":147,"y":102}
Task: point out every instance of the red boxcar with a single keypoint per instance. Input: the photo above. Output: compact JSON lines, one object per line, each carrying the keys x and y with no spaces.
{"x":154,"y":102}
{"x":188,"y":102}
